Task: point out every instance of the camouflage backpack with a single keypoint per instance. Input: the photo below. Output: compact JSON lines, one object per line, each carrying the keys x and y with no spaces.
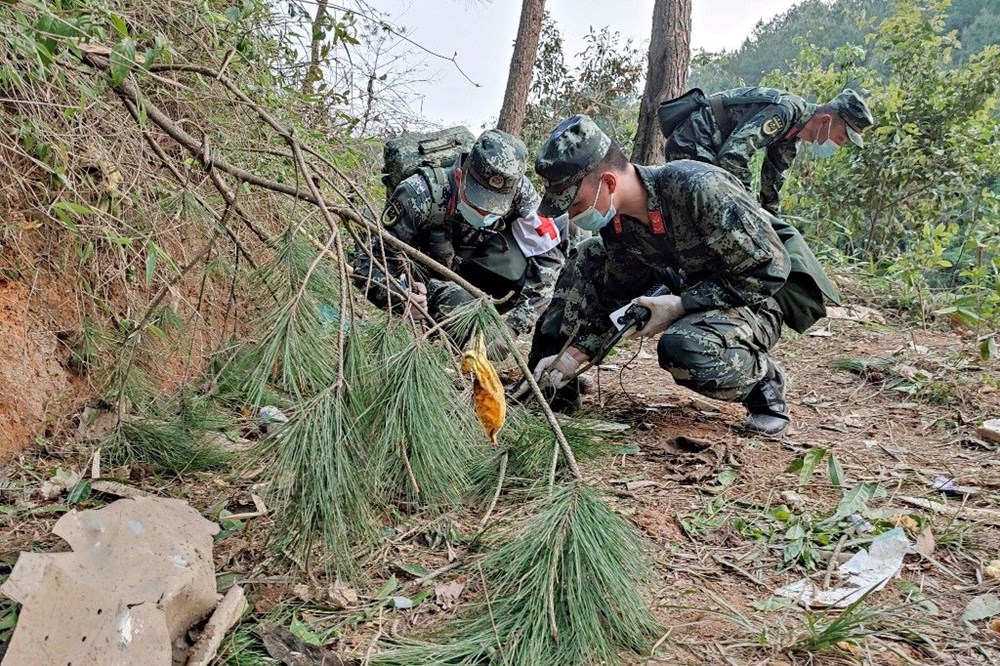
{"x":423,"y":152}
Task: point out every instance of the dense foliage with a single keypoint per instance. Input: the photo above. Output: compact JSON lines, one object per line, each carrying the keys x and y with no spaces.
{"x":604,"y":84}
{"x":827,"y":25}
{"x":920,"y":202}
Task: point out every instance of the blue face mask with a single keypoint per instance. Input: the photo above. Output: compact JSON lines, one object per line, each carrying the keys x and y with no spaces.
{"x":591,"y":219}
{"x":474,"y":217}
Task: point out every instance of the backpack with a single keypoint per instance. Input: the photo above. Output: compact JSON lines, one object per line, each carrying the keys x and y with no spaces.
{"x":410,"y":153}
{"x":673,"y":112}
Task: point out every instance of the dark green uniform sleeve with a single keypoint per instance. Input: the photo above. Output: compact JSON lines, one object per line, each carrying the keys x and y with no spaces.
{"x":606,"y":289}
{"x":777,"y":159}
{"x":753,"y":134}
{"x":748,"y":260}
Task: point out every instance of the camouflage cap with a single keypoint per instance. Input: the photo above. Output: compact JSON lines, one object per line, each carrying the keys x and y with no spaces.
{"x":852,"y":108}
{"x":573,"y":149}
{"x":494,"y":169}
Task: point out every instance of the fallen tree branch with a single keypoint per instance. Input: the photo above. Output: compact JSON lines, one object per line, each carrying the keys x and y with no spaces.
{"x":961,"y":512}
{"x":200,"y":151}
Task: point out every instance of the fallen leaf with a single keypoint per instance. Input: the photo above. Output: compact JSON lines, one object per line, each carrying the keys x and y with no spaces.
{"x":993,"y":570}
{"x":772,"y":604}
{"x":925,"y":542}
{"x":414,"y":570}
{"x":447,"y":594}
{"x":981,"y":607}
{"x":401,"y":603}
{"x":303,"y":592}
{"x":342,"y":596}
{"x":689,"y":460}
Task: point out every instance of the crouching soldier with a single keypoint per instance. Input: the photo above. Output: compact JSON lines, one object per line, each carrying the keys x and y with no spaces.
{"x":477,"y":217}
{"x":689,"y":219}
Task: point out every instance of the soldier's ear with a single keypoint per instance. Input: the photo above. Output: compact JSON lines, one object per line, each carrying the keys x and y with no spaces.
{"x":610,"y":181}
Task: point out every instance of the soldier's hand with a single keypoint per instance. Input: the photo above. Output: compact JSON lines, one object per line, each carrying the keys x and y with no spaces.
{"x":417,"y":303}
{"x":664,"y":310}
{"x":556,"y":371}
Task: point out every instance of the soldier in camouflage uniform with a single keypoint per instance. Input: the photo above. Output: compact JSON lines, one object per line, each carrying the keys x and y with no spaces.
{"x":728,"y":127}
{"x":479,"y":219}
{"x":716,"y":329}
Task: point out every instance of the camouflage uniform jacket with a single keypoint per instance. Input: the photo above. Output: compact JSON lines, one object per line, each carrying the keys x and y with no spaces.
{"x":759,"y":119}
{"x":704,"y":225}
{"x":434,"y":226}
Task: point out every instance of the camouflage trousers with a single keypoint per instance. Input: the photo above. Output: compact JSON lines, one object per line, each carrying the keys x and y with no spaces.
{"x":718,"y":353}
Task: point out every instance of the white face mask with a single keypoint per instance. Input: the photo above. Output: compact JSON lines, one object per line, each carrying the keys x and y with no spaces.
{"x":472,"y":216}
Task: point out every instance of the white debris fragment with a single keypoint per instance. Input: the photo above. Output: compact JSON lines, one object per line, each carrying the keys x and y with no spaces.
{"x":865,"y":572}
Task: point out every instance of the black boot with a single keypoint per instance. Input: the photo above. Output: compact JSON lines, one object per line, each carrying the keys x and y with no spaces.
{"x":768,"y":412}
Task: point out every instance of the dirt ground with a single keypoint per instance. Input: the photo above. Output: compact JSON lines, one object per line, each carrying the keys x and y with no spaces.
{"x":898,"y":437}
{"x":36,"y":390}
{"x":715,"y":505}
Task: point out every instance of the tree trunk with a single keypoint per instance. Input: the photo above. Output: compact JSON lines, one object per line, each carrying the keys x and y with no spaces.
{"x":315,"y":72}
{"x":522,"y":65}
{"x":669,"y":56}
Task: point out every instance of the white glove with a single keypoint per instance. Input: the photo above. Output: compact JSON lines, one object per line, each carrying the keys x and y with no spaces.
{"x":556,"y":371}
{"x":665,"y":311}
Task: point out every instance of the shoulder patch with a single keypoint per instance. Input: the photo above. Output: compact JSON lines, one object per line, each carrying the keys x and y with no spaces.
{"x":773,"y":125}
{"x":392,"y":212}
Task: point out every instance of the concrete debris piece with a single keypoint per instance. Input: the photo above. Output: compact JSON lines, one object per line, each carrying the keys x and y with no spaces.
{"x":140,"y":574}
{"x":990,"y":431}
{"x":867,"y":571}
{"x":270,"y":417}
{"x":226,"y":615}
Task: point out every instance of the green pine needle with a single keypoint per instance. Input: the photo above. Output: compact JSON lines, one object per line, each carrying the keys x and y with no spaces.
{"x":473,"y":318}
{"x":531,"y":444}
{"x":321,"y":486}
{"x":425,"y":432}
{"x":296,"y":352}
{"x":563,"y":591}
{"x":175,"y":437}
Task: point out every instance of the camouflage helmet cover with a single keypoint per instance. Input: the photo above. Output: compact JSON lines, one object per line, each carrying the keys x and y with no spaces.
{"x":494,"y":169}
{"x":574,"y":148}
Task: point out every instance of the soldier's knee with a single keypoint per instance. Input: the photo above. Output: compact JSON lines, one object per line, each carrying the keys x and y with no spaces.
{"x":679,"y":349}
